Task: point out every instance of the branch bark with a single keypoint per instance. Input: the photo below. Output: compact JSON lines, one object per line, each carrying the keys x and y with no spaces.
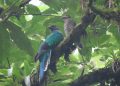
{"x":97,"y":76}
{"x":112,"y":15}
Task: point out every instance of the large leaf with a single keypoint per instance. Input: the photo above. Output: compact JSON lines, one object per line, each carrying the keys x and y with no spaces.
{"x":1,"y":3}
{"x":49,"y":11}
{"x":32,"y":9}
{"x":54,"y":4}
{"x":16,"y":72}
{"x":36,"y":24}
{"x":53,"y":20}
{"x":21,"y":21}
{"x":86,"y":52}
{"x":26,"y":68}
{"x":19,"y":37}
{"x":4,"y":44}
{"x":18,"y":56}
{"x":12,"y":2}
{"x":116,"y":33}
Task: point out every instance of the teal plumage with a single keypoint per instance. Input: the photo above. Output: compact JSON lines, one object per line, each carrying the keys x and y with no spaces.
{"x":44,"y":52}
{"x":54,"y":38}
{"x":44,"y":63}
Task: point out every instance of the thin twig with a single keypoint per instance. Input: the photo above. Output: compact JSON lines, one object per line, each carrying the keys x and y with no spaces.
{"x":8,"y":62}
{"x":36,"y":14}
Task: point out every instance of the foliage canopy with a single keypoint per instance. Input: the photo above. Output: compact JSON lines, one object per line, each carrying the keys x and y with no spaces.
{"x":23,"y":26}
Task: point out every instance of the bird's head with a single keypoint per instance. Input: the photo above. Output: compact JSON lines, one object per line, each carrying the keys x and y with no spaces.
{"x":53,"y":28}
{"x":66,"y":17}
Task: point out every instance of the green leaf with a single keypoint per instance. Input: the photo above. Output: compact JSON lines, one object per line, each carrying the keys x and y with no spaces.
{"x":32,"y":9}
{"x":53,"y":20}
{"x":4,"y":71}
{"x":100,"y":1}
{"x":1,"y":3}
{"x":26,"y":68}
{"x":54,"y":4}
{"x":86,"y":52}
{"x":4,"y":44}
{"x":21,"y":22}
{"x":19,"y":37}
{"x":36,"y":23}
{"x":17,"y":55}
{"x":103,"y":39}
{"x":115,"y":31}
{"x":12,"y":2}
{"x":16,"y":72}
{"x":49,"y":11}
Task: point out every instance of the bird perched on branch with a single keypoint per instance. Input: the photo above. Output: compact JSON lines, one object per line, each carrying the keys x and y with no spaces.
{"x":45,"y":49}
{"x":69,"y":24}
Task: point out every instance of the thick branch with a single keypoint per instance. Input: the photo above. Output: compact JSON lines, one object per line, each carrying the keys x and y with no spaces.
{"x":113,"y":15}
{"x":97,"y":76}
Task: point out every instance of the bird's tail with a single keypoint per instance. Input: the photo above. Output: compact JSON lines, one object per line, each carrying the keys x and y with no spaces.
{"x":44,"y":64}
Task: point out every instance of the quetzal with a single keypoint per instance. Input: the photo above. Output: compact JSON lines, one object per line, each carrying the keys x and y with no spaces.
{"x":45,"y":49}
{"x":69,"y":25}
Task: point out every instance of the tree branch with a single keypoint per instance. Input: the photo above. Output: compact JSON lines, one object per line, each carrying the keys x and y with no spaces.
{"x":112,"y":15}
{"x":36,"y":14}
{"x":97,"y":76}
